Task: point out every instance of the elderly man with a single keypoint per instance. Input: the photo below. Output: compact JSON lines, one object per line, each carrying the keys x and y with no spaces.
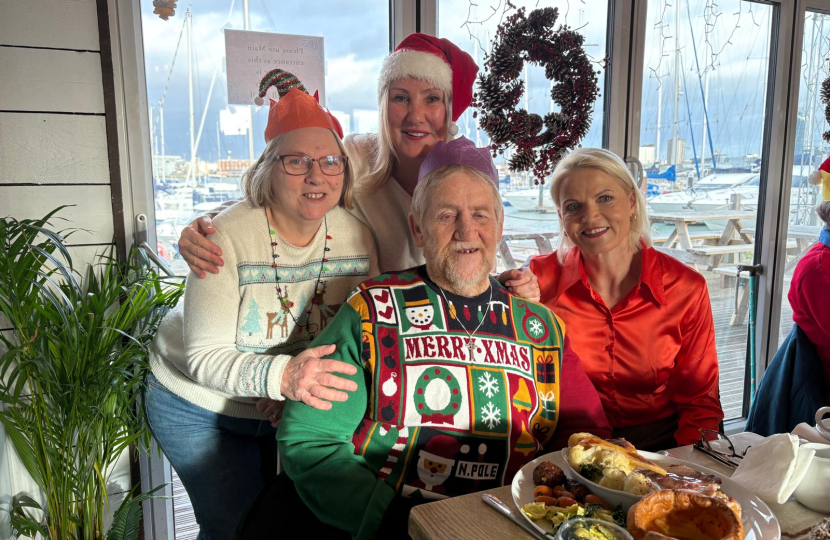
{"x":459,"y":382}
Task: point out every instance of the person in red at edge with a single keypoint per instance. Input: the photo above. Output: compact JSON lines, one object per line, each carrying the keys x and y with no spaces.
{"x":811,"y":283}
{"x":640,"y":321}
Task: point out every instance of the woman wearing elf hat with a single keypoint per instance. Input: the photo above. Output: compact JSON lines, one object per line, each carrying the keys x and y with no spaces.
{"x":224,"y":360}
{"x":811,"y":281}
{"x":424,"y":87}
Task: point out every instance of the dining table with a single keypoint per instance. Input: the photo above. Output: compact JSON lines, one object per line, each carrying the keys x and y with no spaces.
{"x":732,"y":240}
{"x":467,"y":516}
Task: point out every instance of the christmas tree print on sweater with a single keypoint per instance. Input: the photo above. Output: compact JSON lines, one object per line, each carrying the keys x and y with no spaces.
{"x":445,"y":418}
{"x":251,"y":323}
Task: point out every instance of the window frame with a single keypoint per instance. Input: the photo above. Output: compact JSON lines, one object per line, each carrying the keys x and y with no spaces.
{"x":623,"y":98}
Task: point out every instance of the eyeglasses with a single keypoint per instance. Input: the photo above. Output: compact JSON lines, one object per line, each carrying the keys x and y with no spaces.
{"x":297,"y":165}
{"x":729,"y":457}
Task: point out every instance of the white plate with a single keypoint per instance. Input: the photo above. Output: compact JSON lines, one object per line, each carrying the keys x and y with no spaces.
{"x":759,"y":521}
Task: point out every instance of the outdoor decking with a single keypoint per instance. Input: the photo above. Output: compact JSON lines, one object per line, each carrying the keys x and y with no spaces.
{"x":732,"y":354}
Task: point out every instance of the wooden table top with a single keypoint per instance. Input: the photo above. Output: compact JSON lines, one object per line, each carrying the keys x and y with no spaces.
{"x":800,"y":232}
{"x":691,"y":216}
{"x":469,"y":517}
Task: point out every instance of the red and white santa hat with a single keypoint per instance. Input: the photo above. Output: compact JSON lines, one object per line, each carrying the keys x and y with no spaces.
{"x":442,"y":449}
{"x":438,"y":61}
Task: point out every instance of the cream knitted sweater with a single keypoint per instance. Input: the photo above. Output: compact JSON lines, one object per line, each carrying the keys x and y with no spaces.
{"x":229,"y":340}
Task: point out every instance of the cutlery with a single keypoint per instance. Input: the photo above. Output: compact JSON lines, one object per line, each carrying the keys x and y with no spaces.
{"x":509,"y":514}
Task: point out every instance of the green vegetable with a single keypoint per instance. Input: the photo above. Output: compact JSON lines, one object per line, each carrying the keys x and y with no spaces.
{"x":591,"y":510}
{"x":591,"y":472}
{"x":619,"y":516}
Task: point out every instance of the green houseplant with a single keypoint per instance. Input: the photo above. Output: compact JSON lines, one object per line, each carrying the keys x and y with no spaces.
{"x":71,"y":374}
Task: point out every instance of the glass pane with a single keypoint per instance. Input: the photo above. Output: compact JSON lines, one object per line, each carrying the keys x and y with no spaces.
{"x":701,"y":143}
{"x":352,"y":64}
{"x":530,"y":224}
{"x":809,"y":152}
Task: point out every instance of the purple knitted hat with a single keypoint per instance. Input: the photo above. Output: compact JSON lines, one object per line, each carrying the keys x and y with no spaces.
{"x":460,"y":151}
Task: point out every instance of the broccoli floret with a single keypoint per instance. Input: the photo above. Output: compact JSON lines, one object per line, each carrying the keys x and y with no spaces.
{"x":591,"y":510}
{"x":619,"y":516}
{"x":591,"y":472}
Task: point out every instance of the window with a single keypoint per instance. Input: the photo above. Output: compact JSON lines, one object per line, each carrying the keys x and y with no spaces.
{"x":701,"y":143}
{"x":809,"y":152}
{"x":189,"y":183}
{"x":529,"y":209}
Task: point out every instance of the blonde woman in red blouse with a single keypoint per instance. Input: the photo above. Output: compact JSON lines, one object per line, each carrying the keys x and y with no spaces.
{"x":640,"y":320}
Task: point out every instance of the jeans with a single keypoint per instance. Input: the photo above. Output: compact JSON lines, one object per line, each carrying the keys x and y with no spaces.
{"x":222,"y":461}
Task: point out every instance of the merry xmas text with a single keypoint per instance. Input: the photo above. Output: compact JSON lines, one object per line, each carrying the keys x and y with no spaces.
{"x":488,"y":351}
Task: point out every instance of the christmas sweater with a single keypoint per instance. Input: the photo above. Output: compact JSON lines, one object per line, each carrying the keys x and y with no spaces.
{"x":231,"y":336}
{"x":432,"y":417}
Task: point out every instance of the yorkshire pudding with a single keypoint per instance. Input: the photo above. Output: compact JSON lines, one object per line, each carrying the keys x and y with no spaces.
{"x":686,"y":515}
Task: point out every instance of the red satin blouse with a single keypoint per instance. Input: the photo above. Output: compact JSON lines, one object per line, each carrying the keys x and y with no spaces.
{"x":651,"y":356}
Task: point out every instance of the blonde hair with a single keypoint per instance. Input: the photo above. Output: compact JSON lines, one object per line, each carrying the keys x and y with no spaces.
{"x":383,"y":160}
{"x":609,"y":163}
{"x":257,"y":187}
{"x":432,"y":181}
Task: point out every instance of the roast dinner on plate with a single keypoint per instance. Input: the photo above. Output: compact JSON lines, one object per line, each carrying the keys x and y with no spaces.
{"x":609,"y":481}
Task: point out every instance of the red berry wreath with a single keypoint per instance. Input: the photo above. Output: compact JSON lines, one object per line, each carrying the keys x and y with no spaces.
{"x":521,"y":39}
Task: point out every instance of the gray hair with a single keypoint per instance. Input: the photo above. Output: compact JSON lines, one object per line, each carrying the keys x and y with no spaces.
{"x":434,"y":180}
{"x":257,"y":187}
{"x":609,"y":163}
{"x":384,"y":158}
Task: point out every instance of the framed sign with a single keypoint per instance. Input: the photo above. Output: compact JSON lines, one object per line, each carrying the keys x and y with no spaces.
{"x":250,"y":55}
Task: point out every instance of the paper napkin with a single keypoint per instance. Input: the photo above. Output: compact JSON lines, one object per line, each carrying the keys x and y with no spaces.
{"x":774,"y":467}
{"x":806,"y":431}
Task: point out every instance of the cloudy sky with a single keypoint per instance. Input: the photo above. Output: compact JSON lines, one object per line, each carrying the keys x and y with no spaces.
{"x":731,"y":39}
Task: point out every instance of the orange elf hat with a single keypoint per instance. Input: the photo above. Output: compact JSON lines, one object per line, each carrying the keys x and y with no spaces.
{"x":295,"y":108}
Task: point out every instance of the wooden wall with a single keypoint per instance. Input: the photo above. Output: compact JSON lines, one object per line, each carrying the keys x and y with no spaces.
{"x":54,"y":148}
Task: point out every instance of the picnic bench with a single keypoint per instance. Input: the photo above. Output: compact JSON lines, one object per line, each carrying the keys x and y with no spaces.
{"x":731,"y":241}
{"x":542,"y":240}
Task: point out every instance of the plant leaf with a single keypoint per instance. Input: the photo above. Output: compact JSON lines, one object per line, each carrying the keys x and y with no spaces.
{"x":126,"y":522}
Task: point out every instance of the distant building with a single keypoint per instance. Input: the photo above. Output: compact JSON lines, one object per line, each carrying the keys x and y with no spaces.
{"x":800,"y":125}
{"x":232,"y":167}
{"x":647,"y":156}
{"x":169,"y":165}
{"x":365,"y":121}
{"x":678,"y":155}
{"x":345,"y":120}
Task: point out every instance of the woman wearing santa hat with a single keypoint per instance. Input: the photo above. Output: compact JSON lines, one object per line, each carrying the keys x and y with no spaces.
{"x":424,"y":87}
{"x":224,"y":360}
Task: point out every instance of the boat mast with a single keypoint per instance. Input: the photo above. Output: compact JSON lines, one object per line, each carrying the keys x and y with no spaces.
{"x":189,"y":18}
{"x":705,"y":103}
{"x":161,"y":129}
{"x":811,"y":106}
{"x":247,"y":20}
{"x":659,"y":104}
{"x":673,"y":157}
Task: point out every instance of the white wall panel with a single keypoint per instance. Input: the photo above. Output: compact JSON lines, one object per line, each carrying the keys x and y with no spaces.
{"x":68,"y":24}
{"x":49,"y":80}
{"x":92,"y":208}
{"x":53,"y":149}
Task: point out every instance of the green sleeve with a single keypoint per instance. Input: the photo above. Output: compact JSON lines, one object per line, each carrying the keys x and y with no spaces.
{"x":316,"y":446}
